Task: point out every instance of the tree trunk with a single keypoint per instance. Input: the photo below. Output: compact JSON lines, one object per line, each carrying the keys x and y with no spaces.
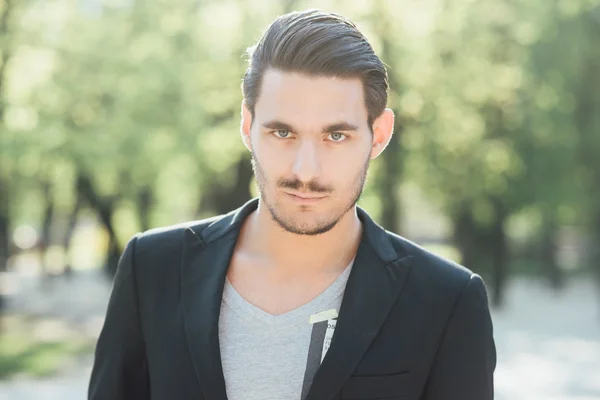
{"x":498,"y":246}
{"x":104,"y":209}
{"x":467,"y":238}
{"x":223,"y":198}
{"x":5,"y":55}
{"x":145,"y":201}
{"x":587,"y":104}
{"x":71,"y":225}
{"x":595,"y":248}
{"x":4,"y":226}
{"x":548,"y":252}
{"x":46,"y":239}
{"x":230,"y":198}
{"x":484,"y":249}
{"x":4,"y":233}
{"x":392,"y":158}
{"x":112,"y":255}
{"x":389,"y":183}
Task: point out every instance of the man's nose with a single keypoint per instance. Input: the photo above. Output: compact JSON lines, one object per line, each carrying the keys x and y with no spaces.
{"x":306,"y":163}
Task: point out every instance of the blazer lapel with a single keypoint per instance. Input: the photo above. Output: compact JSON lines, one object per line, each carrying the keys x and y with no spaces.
{"x":204,"y":264}
{"x":375,"y":283}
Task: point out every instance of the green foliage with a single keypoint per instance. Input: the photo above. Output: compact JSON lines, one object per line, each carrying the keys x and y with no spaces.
{"x":23,"y":355}
{"x":496,"y":100}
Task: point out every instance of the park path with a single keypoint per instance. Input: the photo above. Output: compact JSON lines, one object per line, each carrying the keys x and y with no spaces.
{"x":548,"y":344}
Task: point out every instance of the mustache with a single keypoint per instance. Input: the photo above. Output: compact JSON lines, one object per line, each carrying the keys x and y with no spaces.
{"x":296,"y":184}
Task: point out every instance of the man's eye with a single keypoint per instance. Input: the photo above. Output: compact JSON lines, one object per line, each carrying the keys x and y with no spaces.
{"x":282,"y":133}
{"x":337,"y":136}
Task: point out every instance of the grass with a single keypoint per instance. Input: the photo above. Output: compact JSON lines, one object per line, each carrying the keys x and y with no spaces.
{"x":22,"y":354}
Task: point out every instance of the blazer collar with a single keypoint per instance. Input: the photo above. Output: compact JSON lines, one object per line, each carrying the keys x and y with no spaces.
{"x":375,"y":282}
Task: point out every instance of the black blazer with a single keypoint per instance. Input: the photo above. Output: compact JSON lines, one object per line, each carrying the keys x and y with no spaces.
{"x":411,"y":325}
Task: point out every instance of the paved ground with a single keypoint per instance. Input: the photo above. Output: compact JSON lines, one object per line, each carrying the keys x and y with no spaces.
{"x":548,"y":344}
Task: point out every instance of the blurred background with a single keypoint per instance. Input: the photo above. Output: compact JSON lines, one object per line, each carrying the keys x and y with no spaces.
{"x":117,"y":116}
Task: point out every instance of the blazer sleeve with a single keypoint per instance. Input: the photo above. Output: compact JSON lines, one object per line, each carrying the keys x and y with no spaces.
{"x":464,"y":365}
{"x":120,"y":370}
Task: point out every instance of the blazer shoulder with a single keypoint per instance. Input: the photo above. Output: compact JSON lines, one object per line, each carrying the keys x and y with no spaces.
{"x":165,"y":242}
{"x":431,"y":266}
{"x":438,"y":281}
{"x":175,"y":230}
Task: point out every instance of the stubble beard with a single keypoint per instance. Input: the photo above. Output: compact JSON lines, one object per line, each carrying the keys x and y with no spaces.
{"x":288,"y":224}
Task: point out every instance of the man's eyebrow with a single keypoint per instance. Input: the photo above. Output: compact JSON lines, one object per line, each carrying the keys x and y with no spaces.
{"x":335,"y":127}
{"x":278,"y":125}
{"x":339,"y":126}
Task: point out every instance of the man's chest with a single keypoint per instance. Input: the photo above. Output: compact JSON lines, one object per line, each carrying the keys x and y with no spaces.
{"x":275,"y":292}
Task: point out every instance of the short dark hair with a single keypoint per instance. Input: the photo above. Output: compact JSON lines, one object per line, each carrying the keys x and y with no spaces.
{"x":317,"y":43}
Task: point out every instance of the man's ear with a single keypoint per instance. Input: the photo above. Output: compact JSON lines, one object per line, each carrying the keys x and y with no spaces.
{"x":383,"y":129}
{"x":245,"y":126}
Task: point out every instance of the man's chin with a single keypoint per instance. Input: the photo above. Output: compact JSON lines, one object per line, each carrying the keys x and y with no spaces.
{"x":307,"y":231}
{"x":300,"y":227}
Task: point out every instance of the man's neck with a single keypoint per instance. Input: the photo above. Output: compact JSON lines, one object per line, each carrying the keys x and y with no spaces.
{"x":328,"y":252}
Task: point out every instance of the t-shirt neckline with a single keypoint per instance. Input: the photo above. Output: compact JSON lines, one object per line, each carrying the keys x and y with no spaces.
{"x":300,"y":314}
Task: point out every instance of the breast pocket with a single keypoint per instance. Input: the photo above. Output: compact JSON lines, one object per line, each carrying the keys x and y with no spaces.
{"x":390,"y":387}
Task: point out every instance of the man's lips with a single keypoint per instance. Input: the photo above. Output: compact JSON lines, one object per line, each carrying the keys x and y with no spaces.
{"x":306,"y":195}
{"x":305,"y":198}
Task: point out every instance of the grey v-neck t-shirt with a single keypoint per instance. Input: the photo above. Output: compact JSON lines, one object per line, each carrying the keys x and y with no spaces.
{"x":275,"y":357}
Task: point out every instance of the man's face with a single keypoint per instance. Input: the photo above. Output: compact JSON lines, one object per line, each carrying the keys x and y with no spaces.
{"x":311,"y":146}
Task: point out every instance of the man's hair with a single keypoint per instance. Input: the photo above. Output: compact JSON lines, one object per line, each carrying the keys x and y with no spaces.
{"x":317,"y":43}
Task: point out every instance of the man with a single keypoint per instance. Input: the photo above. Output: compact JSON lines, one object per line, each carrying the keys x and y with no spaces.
{"x":297,"y":294}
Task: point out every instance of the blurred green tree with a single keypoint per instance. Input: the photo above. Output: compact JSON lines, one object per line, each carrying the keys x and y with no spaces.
{"x":130,"y":110}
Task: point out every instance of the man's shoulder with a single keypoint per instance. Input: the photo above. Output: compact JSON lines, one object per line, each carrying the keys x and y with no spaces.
{"x":438,"y":281}
{"x":163,"y":232}
{"x":429,"y":267}
{"x":170,"y":237}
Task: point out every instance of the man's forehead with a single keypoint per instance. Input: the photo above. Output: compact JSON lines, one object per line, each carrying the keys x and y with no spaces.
{"x":295,"y":96}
